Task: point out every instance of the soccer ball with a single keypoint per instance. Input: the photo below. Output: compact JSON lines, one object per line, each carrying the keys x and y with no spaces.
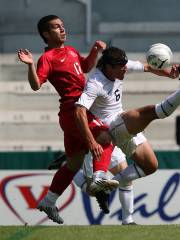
{"x":159,"y":56}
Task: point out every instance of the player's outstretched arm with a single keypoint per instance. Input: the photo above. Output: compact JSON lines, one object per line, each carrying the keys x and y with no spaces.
{"x":26,"y":57}
{"x":90,"y":60}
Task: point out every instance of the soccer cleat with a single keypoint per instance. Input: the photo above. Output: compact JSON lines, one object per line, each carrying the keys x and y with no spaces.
{"x":101,"y":184}
{"x":131,"y":223}
{"x":103,"y":201}
{"x":51,"y":211}
{"x":57,"y":163}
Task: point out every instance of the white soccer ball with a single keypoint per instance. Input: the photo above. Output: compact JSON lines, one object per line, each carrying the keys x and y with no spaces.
{"x":159,"y":56}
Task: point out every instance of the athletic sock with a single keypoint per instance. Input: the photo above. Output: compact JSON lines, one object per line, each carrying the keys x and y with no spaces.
{"x":99,"y":175}
{"x":51,"y":198}
{"x":168,"y":106}
{"x":126,"y":198}
{"x":102,"y":164}
{"x":130,"y":173}
{"x":61,"y":180}
{"x":80,"y":181}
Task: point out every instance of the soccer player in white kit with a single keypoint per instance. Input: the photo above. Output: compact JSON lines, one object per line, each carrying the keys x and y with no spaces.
{"x":103,"y":97}
{"x":118,"y":159}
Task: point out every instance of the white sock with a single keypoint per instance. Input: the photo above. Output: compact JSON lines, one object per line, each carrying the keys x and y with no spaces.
{"x":80,"y":181}
{"x":126,"y":198}
{"x":129,"y":174}
{"x":168,"y":106}
{"x":99,"y":175}
{"x":51,"y":198}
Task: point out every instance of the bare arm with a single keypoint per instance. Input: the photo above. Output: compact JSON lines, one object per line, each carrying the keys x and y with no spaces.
{"x":82,"y":122}
{"x":171,"y":73}
{"x":26,"y":57}
{"x":90,"y":60}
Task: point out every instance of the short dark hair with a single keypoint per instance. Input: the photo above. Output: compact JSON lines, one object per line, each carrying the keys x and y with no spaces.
{"x":43,"y":25}
{"x":112,"y":56}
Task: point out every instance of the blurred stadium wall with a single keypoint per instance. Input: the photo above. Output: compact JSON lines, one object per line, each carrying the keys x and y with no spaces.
{"x":132,"y":25}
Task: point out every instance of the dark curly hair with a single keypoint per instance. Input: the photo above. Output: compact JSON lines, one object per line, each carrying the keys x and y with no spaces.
{"x":112,"y":56}
{"x":43,"y":25}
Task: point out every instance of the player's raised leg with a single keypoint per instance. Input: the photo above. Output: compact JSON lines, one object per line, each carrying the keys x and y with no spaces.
{"x":141,"y":117}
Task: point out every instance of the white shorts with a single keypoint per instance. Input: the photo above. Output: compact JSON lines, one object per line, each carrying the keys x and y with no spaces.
{"x":125,"y":142}
{"x":122,"y":139}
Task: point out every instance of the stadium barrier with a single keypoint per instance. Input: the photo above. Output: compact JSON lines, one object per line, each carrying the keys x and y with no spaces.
{"x":40,"y":159}
{"x":156,"y":199}
{"x":24,"y":182}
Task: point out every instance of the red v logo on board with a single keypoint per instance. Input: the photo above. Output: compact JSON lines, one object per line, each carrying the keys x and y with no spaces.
{"x":29,"y":197}
{"x":8,"y":188}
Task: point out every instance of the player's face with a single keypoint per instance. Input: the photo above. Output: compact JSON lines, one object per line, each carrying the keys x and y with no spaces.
{"x":119,"y":71}
{"x":56,"y":33}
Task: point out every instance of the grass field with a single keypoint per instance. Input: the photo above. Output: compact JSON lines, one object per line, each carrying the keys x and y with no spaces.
{"x":158,"y":232}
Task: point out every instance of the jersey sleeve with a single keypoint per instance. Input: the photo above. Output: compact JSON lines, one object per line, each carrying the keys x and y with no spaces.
{"x":89,"y":94}
{"x":43,"y":69}
{"x":133,"y":66}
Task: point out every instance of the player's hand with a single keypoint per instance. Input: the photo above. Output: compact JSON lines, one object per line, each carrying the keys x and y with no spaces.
{"x":100,"y":45}
{"x":96,"y":150}
{"x":25,"y":56}
{"x":174,"y":72}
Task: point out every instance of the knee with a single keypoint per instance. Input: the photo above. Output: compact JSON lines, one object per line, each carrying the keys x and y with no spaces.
{"x":74,"y":166}
{"x":104,"y":138}
{"x":146,"y":159}
{"x":152,"y":167}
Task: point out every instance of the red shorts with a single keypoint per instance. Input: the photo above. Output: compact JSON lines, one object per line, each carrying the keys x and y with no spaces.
{"x":73,"y":140}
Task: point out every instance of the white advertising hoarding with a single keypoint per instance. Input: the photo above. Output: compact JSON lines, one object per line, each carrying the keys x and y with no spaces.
{"x":156,"y":200}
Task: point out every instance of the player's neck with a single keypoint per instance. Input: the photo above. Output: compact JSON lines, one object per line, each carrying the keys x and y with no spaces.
{"x":55,"y":45}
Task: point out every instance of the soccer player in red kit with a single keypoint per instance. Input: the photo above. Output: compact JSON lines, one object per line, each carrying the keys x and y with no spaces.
{"x":64,"y":67}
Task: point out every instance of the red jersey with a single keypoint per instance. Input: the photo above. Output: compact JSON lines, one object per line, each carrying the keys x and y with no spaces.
{"x":64,"y":68}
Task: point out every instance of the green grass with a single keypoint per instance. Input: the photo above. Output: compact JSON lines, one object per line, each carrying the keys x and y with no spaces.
{"x":106,"y":232}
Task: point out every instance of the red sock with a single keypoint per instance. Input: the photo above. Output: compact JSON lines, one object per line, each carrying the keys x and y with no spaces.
{"x":103,"y":163}
{"x":61,"y":180}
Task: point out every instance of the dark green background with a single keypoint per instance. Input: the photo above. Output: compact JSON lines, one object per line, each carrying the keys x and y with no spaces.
{"x":40,"y":160}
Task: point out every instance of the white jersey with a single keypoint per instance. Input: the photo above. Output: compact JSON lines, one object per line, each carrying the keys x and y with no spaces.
{"x":104,"y":97}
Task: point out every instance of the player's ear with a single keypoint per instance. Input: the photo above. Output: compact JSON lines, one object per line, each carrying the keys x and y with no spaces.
{"x":109,"y":70}
{"x":109,"y":66}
